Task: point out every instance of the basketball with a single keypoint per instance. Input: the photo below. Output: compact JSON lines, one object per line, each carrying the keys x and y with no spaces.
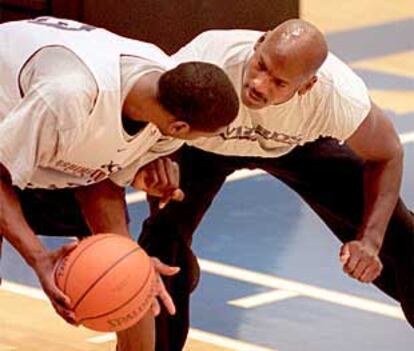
{"x":110,"y":281}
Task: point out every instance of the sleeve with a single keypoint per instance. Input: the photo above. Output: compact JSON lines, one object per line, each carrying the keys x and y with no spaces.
{"x":194,"y":50}
{"x":217,"y":46}
{"x":346,"y":103}
{"x":163,"y":147}
{"x":58,"y":92}
{"x":28,"y":138}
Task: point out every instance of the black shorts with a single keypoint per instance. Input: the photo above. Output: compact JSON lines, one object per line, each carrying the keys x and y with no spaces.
{"x":53,"y":212}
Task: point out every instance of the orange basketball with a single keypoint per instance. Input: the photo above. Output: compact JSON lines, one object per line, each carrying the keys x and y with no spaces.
{"x":110,"y":281}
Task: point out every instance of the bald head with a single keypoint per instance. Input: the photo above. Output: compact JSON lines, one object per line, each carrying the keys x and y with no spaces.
{"x":300,"y":43}
{"x":285,"y":62}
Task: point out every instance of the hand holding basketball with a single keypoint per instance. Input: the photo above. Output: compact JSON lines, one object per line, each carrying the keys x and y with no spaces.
{"x":112,"y":282}
{"x":44,"y":269}
{"x":160,"y":290}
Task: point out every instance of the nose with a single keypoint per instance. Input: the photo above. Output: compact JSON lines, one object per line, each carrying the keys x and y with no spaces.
{"x":261,"y":84}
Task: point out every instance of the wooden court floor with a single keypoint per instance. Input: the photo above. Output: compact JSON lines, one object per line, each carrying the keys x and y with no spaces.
{"x":29,"y":323}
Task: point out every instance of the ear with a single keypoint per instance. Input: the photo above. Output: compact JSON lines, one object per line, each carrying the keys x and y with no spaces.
{"x":261,"y":40}
{"x":308,"y":85}
{"x":178,"y":129}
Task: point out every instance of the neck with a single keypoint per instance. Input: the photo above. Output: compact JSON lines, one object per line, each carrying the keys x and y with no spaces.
{"x":141,"y":103}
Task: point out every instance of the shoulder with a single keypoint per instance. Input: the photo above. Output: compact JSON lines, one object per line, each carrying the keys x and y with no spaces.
{"x":65,"y":84}
{"x":337,"y":81}
{"x":229,"y":37}
{"x":221,"y":47}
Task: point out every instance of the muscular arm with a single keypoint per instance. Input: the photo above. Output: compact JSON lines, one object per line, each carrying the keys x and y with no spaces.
{"x":103,"y":207}
{"x":13,"y":225}
{"x":377,"y":142}
{"x":17,"y":231}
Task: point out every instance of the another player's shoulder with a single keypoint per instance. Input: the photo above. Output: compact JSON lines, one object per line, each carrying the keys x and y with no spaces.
{"x":221,"y":47}
{"x":229,"y":37}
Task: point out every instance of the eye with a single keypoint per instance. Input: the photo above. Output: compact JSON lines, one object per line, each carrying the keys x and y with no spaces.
{"x":280,"y":83}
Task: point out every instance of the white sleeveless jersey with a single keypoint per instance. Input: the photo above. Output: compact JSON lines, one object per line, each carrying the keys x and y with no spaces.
{"x":334,"y":107}
{"x":98,"y":148}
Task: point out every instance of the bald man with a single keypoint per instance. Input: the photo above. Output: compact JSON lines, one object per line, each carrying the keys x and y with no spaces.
{"x":306,"y":119}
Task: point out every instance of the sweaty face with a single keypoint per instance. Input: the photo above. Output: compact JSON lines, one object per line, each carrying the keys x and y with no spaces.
{"x":270,"y":77}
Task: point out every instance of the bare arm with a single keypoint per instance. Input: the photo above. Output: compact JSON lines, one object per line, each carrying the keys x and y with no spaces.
{"x":376,"y":142}
{"x":13,"y":225}
{"x":16,"y":230}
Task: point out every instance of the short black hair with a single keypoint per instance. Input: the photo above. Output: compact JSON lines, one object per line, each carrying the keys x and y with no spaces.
{"x":200,"y":94}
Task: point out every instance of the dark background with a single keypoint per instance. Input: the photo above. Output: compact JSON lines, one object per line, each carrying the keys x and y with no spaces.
{"x":166,"y":23}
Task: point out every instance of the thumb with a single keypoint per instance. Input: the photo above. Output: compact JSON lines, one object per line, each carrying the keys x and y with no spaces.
{"x":344,"y":254}
{"x":178,"y":195}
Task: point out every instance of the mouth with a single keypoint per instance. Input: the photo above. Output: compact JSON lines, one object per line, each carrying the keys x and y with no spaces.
{"x":255,"y":96}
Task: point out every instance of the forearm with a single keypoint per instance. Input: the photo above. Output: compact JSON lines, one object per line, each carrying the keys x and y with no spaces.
{"x":382,"y":181}
{"x":103,"y":207}
{"x":13,"y":225}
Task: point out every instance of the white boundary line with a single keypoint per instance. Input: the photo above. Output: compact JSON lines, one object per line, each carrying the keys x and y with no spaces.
{"x":311,"y":291}
{"x":225,"y":342}
{"x":23,"y":290}
{"x":140,"y":196}
{"x":199,"y":335}
{"x":263,"y":298}
{"x":407,"y":137}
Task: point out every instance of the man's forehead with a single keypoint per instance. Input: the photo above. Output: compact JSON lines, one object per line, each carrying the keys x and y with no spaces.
{"x":284,"y":65}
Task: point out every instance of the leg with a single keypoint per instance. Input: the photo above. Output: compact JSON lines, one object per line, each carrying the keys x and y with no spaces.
{"x":140,"y":337}
{"x":53,"y":212}
{"x":168,"y":233}
{"x":329,"y":177}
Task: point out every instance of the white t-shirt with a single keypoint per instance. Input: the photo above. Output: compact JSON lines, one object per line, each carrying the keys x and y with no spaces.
{"x":334,"y":107}
{"x":61,"y":92}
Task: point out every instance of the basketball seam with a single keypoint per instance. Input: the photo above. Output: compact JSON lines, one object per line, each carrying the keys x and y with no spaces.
{"x":78,"y":256}
{"x":124,"y":304}
{"x":101,"y":276}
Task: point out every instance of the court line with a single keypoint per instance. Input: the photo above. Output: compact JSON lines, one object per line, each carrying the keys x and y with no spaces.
{"x":199,"y":335}
{"x":271,"y":281}
{"x":263,"y":298}
{"x":139,"y":196}
{"x":223,"y":341}
{"x":407,"y":137}
{"x":195,"y":334}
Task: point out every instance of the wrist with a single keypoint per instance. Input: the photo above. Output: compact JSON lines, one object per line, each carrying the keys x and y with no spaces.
{"x":37,"y":259}
{"x":373,"y":239}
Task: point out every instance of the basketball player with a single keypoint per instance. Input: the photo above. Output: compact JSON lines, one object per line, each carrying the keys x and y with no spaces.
{"x":81,"y":110}
{"x":293,"y":92}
